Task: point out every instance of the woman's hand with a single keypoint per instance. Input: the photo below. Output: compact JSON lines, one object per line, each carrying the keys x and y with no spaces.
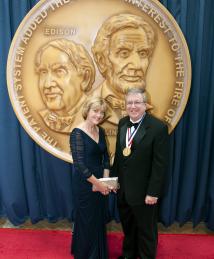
{"x":103,"y":188}
{"x":98,"y":186}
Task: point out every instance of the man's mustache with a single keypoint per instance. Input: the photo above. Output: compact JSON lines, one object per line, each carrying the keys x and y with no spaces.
{"x":53,"y":90}
{"x":132,"y":72}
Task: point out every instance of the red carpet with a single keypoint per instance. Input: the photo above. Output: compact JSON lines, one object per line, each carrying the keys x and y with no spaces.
{"x":48,"y":244}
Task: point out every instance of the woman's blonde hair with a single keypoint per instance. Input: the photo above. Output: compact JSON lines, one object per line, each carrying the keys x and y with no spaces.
{"x":93,"y":103}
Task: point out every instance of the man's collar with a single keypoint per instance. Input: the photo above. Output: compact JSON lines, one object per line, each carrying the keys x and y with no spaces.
{"x":139,"y":119}
{"x":111,"y":98}
{"x":60,"y":123}
{"x":56,"y":122}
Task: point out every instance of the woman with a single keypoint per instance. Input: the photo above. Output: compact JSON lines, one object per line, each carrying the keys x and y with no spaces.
{"x":90,"y":162}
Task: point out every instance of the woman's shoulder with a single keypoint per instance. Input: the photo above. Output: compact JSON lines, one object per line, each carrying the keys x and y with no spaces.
{"x":77,"y":130}
{"x":76,"y":135}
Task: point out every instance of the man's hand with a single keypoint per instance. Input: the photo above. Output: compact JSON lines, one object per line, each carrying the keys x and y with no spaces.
{"x":150,"y":200}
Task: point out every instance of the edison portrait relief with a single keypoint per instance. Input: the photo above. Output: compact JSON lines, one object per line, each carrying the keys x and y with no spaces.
{"x":122,"y":50}
{"x":66,"y":73}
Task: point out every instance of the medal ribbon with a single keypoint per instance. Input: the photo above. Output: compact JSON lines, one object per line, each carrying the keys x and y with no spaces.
{"x":130,"y":136}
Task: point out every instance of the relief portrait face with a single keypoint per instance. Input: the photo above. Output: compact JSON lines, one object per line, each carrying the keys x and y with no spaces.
{"x":129,"y":59}
{"x":59,"y":81}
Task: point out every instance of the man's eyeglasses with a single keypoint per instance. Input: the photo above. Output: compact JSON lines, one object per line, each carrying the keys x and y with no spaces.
{"x":137,"y":103}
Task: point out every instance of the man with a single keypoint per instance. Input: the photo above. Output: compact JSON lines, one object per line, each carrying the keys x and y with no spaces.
{"x":140,"y":164}
{"x":122,"y":51}
{"x":66,"y":73}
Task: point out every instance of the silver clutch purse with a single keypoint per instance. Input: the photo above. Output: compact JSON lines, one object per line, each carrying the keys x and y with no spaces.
{"x":111,"y":181}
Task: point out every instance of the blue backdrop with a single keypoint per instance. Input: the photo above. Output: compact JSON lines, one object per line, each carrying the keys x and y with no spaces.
{"x":36,"y":185}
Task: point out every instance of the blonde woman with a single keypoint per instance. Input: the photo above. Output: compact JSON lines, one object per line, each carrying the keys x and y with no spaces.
{"x":90,"y":162}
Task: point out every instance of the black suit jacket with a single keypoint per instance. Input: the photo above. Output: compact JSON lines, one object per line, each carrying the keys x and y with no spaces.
{"x":142,"y":172}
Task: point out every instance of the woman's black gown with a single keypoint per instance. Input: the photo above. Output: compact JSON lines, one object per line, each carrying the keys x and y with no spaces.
{"x":89,"y":157}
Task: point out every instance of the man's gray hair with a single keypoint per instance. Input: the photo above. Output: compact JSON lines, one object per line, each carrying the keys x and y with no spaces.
{"x":137,"y":90}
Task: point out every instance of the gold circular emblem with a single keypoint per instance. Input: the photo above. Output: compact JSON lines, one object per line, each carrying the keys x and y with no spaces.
{"x":64,"y":51}
{"x":127,"y":151}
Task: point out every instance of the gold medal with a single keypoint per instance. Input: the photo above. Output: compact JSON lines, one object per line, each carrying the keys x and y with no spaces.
{"x":126,"y":151}
{"x":55,"y":29}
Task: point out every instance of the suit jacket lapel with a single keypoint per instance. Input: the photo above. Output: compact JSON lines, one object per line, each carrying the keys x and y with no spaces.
{"x":123,"y":131}
{"x":141,"y":131}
